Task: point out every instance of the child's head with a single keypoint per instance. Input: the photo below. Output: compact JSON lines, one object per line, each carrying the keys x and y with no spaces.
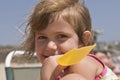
{"x":48,"y":13}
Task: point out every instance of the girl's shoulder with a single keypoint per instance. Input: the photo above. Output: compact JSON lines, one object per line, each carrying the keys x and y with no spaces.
{"x":105,"y":73}
{"x":90,"y":61}
{"x":93,"y":61}
{"x":88,"y":65}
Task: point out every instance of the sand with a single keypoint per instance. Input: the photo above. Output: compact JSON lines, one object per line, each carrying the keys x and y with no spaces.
{"x":2,"y":72}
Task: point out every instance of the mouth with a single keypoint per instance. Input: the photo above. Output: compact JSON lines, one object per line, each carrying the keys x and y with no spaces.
{"x":48,"y":55}
{"x":45,"y":56}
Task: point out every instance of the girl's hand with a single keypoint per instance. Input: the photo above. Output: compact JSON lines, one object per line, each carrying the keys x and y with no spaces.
{"x":50,"y":69}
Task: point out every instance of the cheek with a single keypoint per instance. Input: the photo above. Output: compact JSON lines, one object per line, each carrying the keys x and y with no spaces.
{"x":73,"y":43}
{"x":39,"y":51}
{"x":68,"y":45}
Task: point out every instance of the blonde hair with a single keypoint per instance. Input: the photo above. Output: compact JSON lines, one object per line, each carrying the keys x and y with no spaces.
{"x":46,"y":11}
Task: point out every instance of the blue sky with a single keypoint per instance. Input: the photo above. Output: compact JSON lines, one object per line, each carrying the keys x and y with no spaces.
{"x":105,"y":16}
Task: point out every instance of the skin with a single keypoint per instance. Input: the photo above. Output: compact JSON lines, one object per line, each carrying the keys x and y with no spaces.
{"x":106,"y":59}
{"x":58,"y":38}
{"x":103,"y":57}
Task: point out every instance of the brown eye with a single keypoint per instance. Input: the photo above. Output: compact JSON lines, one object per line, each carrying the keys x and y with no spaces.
{"x":62,"y":36}
{"x":42,"y":38}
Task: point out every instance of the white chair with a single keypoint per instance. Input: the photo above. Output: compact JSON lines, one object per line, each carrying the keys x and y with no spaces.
{"x":22,"y":72}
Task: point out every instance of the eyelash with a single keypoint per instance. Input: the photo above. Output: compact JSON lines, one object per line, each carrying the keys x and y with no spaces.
{"x":59,"y":37}
{"x":62,"y":36}
{"x":42,"y":37}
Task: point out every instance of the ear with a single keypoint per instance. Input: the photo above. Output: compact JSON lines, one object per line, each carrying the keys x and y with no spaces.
{"x":86,"y":37}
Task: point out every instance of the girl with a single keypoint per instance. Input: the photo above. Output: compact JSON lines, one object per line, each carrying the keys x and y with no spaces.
{"x":57,"y":26}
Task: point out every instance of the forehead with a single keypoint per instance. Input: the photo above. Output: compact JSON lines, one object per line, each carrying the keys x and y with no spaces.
{"x":58,"y":26}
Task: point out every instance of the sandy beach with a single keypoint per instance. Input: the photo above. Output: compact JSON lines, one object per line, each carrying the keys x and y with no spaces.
{"x":2,"y":72}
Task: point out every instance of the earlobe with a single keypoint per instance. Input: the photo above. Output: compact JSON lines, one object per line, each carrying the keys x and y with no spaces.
{"x":86,"y":37}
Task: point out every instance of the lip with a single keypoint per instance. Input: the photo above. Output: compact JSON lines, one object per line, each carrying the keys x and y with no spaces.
{"x":45,"y":56}
{"x":52,"y":54}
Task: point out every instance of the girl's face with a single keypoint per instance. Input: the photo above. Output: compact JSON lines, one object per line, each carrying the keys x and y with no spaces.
{"x":57,"y":38}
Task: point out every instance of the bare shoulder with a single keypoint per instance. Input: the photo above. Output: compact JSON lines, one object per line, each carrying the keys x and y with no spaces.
{"x":96,"y":64}
{"x":88,"y":67}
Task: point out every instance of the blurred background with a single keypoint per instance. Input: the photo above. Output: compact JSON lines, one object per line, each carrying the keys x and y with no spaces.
{"x":105,"y":16}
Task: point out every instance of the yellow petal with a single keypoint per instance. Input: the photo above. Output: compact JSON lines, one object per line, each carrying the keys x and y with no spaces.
{"x":75,"y":55}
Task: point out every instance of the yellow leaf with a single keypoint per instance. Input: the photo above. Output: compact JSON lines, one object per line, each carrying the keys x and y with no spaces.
{"x":75,"y":55}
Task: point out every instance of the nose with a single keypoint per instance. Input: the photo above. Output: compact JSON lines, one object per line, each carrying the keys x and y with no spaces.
{"x":51,"y":45}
